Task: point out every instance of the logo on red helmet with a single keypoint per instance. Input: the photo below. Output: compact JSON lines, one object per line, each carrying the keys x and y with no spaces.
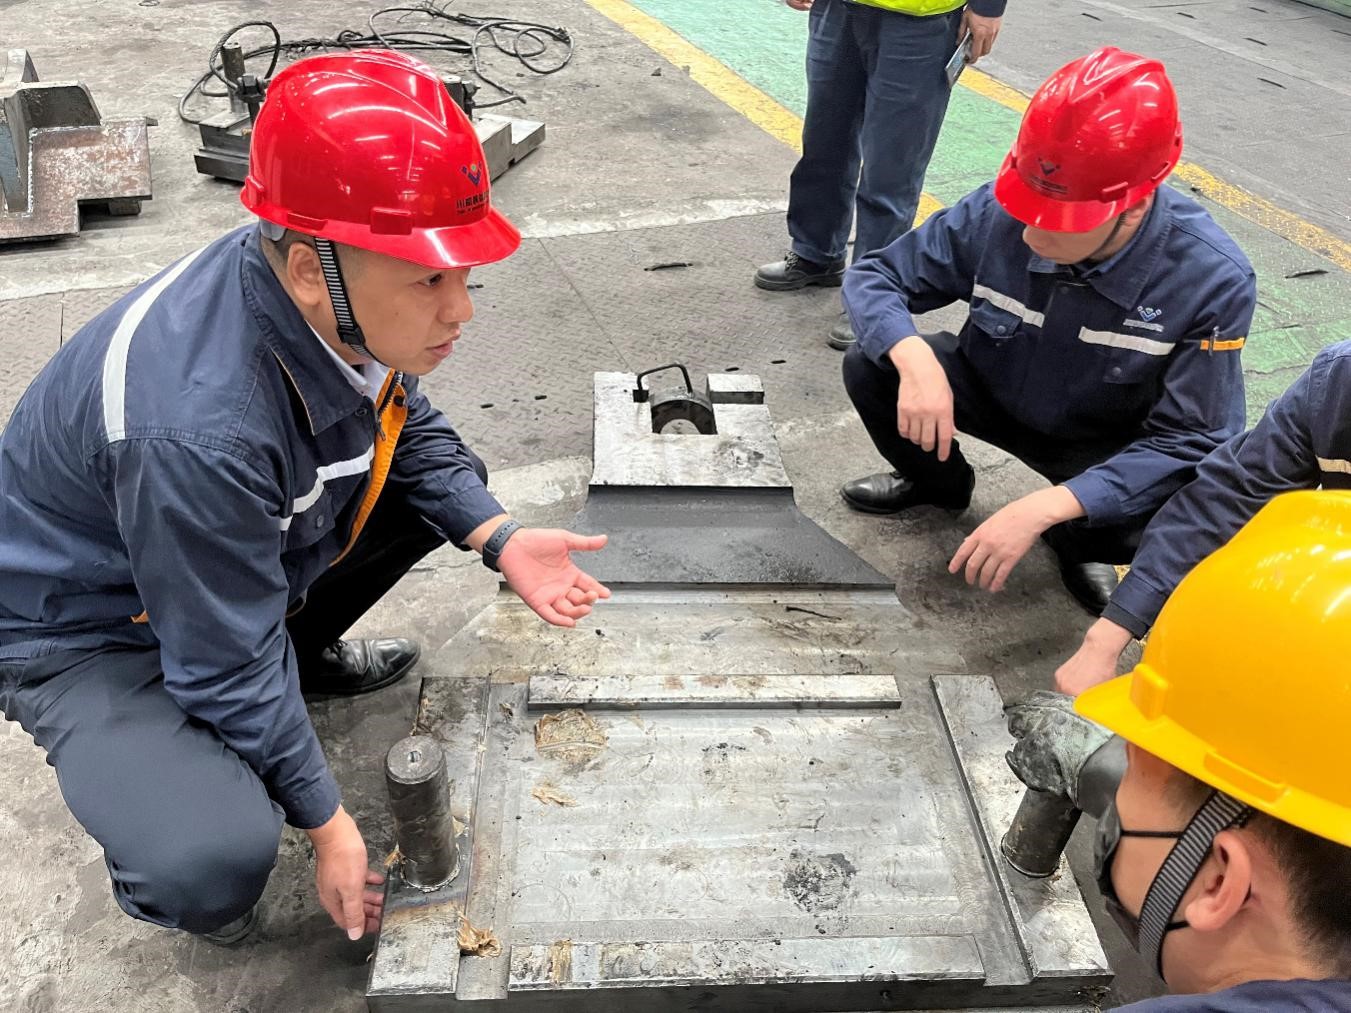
{"x":474,"y":171}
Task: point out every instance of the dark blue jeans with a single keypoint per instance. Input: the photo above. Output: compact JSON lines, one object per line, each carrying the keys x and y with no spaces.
{"x":876,"y":95}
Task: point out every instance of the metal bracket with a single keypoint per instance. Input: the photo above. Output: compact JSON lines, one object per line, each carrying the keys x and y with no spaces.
{"x":677,"y":406}
{"x":57,"y":155}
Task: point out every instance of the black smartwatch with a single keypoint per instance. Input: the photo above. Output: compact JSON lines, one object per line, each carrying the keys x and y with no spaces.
{"x":497,"y":541}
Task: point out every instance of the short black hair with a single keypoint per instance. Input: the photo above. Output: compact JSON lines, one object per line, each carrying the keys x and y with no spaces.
{"x":279,"y":250}
{"x":1317,"y":870}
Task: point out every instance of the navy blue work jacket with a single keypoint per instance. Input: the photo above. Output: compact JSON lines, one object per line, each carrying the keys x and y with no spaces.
{"x":1140,"y":350}
{"x":182,"y":470}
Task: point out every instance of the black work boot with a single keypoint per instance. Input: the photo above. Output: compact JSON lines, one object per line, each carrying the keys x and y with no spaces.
{"x":889,"y":492}
{"x":1090,"y":584}
{"x":352,"y":667}
{"x":794,"y":272}
{"x":841,"y":335}
{"x":232,"y":933}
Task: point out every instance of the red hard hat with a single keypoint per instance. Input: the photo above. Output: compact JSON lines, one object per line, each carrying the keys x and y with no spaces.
{"x":368,"y":149}
{"x":1097,"y":138}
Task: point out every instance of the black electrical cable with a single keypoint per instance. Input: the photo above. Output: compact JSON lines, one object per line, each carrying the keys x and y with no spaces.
{"x":525,"y":41}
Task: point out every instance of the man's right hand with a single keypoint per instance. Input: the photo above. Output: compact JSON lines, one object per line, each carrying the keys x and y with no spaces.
{"x":342,"y":874}
{"x":800,"y":5}
{"x":924,"y":406}
{"x":1095,"y":660}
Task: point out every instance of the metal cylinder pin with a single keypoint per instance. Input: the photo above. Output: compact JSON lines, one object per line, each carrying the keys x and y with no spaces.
{"x":1039,"y":833}
{"x":419,"y":798}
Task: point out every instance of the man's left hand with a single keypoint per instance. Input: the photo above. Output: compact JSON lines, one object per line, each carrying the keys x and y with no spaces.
{"x":537,"y":564}
{"x":983,"y":33}
{"x":990,"y":553}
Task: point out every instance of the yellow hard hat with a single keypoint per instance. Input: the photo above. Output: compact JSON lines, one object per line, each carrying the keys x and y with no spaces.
{"x":1245,"y":682}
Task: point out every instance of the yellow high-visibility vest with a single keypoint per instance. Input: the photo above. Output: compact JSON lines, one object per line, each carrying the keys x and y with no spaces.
{"x":916,"y":8}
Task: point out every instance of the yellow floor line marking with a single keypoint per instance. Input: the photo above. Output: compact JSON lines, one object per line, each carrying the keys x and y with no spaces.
{"x":786,"y":126}
{"x":724,"y":84}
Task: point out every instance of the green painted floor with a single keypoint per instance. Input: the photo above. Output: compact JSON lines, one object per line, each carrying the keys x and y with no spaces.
{"x":1304,"y":301}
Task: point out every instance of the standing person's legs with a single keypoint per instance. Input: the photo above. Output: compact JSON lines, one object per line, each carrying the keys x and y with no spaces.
{"x":907,"y":98}
{"x":188,"y":832}
{"x":822,"y":187}
{"x":391,"y":543}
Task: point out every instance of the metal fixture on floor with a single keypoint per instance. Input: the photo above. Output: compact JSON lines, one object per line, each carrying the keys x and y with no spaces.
{"x":752,"y":780}
{"x":58,"y":156}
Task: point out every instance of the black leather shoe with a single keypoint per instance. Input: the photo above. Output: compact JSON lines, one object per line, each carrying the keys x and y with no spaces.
{"x":233,"y":933}
{"x":889,"y":492}
{"x":1090,"y":584}
{"x":841,"y":336}
{"x":795,"y":272}
{"x":352,"y":667}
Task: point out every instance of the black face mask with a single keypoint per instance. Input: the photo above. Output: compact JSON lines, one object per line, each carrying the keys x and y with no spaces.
{"x":1146,"y":931}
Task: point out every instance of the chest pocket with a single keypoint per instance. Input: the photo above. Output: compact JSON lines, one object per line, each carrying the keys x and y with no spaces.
{"x":311,"y":519}
{"x":1127,"y":359}
{"x":996,"y":324}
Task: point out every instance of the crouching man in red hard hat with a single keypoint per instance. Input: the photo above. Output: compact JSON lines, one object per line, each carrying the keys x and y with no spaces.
{"x":215,"y":477}
{"x":1102,"y":347}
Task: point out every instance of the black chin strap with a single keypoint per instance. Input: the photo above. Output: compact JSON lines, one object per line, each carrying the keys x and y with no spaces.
{"x":348,"y":328}
{"x":1092,"y":258}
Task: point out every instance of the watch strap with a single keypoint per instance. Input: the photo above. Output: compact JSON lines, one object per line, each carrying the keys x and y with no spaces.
{"x":497,"y":541}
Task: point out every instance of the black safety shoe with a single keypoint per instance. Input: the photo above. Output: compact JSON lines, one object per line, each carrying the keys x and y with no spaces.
{"x":232,"y":933}
{"x":889,"y":492}
{"x":841,"y":336}
{"x":352,"y":667}
{"x":795,"y":272}
{"x":1090,"y":584}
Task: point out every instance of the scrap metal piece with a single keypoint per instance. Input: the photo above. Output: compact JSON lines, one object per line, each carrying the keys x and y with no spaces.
{"x":58,"y":155}
{"x":415,"y":773}
{"x":506,"y":140}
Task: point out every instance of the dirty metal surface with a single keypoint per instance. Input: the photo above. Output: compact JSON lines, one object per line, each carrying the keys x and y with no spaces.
{"x":733,"y":633}
{"x":652,"y":692}
{"x":57,"y":154}
{"x":709,"y":507}
{"x":763,"y":796}
{"x":1053,"y":926}
{"x":742,"y":454}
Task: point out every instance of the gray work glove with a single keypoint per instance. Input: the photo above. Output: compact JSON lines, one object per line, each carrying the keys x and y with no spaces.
{"x":1060,"y":752}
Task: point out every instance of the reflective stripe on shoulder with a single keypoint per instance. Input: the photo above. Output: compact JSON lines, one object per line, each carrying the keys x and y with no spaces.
{"x":115,"y":359}
{"x":1132,"y":341}
{"x":327,"y":473}
{"x":1007,"y":302}
{"x":1222,"y":344}
{"x":1335,"y":465}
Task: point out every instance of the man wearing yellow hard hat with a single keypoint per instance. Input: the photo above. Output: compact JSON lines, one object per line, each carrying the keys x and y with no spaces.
{"x":1225,"y":853}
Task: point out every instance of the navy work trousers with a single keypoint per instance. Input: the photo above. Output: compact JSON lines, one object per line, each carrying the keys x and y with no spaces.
{"x":188,"y":831}
{"x":875,"y":389}
{"x":876,"y":95}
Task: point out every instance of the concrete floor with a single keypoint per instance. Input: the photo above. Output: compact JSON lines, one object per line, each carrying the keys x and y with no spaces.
{"x":641,"y":166}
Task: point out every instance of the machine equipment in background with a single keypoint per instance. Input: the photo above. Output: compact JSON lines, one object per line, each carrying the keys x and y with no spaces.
{"x":225,"y":135}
